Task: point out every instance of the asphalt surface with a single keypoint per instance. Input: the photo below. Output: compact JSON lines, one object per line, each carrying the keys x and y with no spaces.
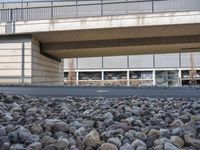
{"x":63,"y":91}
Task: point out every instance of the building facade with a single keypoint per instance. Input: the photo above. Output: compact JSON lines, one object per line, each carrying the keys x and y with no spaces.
{"x":170,"y":69}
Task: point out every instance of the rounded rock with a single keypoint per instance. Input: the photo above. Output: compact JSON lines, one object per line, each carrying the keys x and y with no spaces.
{"x":92,"y":139}
{"x":178,"y":141}
{"x":108,"y":146}
{"x":62,"y":144}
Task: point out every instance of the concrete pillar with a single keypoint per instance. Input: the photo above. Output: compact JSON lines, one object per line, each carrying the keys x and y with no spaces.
{"x":179,"y":77}
{"x":15,"y":62}
{"x":77,"y":78}
{"x":128,"y":78}
{"x":22,"y":63}
{"x":102,"y":77}
{"x":45,"y":70}
{"x":154,"y":78}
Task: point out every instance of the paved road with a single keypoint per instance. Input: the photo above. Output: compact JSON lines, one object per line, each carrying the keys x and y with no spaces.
{"x":101,"y":91}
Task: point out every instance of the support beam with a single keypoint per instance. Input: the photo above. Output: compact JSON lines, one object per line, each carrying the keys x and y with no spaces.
{"x":121,"y":46}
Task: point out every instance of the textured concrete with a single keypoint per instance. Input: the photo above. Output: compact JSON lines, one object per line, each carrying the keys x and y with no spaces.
{"x":22,"y":63}
{"x":45,"y":71}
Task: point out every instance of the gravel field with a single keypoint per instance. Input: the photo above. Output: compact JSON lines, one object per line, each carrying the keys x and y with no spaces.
{"x":70,"y":123}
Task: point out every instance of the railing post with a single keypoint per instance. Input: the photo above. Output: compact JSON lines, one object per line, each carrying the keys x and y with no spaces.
{"x":101,"y":7}
{"x":76,"y":8}
{"x":11,"y":14}
{"x":152,"y":6}
{"x":52,"y":16}
{"x":126,"y":7}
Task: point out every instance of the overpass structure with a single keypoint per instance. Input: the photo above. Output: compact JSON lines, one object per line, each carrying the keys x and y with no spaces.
{"x":35,"y":39}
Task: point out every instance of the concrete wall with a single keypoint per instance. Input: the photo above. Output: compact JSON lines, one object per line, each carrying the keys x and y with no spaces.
{"x":45,"y":71}
{"x":15,"y":60}
{"x":22,"y":63}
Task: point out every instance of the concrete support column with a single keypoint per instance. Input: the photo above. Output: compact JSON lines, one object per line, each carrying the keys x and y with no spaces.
{"x":128,"y":78}
{"x":154,"y":78}
{"x":179,"y":77}
{"x":77,"y":78}
{"x":102,"y":77}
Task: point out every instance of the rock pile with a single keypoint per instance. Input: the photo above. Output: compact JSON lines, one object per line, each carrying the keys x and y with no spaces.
{"x":133,"y":123}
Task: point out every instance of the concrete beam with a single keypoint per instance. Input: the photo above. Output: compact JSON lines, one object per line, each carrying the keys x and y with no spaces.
{"x":121,"y":46}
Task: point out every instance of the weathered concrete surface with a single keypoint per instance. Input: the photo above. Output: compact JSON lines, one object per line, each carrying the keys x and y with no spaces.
{"x":22,"y":63}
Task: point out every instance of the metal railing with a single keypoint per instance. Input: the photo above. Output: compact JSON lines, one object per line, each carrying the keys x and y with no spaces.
{"x":103,"y":8}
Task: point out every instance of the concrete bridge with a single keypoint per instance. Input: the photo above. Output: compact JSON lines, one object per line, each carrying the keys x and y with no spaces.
{"x":34,"y":40}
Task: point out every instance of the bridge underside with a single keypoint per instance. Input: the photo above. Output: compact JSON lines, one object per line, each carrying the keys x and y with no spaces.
{"x":120,"y":41}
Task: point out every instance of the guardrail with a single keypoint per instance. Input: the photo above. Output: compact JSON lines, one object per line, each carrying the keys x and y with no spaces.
{"x":98,"y":9}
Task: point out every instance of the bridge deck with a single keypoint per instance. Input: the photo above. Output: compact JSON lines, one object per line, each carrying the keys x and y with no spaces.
{"x":80,"y":9}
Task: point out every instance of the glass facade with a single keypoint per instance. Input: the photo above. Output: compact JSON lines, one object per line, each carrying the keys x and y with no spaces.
{"x":173,"y":69}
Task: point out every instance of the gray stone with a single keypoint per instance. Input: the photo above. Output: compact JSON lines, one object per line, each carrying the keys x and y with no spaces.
{"x":190,"y":139}
{"x":177,"y":123}
{"x":159,"y":147}
{"x":164,"y":132}
{"x":50,"y":147}
{"x":4,"y":139}
{"x":62,"y":144}
{"x":178,"y":132}
{"x":140,"y":136}
{"x":5,"y":146}
{"x":108,"y":115}
{"x":108,"y":146}
{"x":14,"y":137}
{"x":2,"y":131}
{"x":35,"y":146}
{"x":17,"y":147}
{"x":170,"y":146}
{"x":8,"y":117}
{"x":56,"y":125}
{"x":10,"y":128}
{"x":23,"y":134}
{"x":79,"y":132}
{"x":139,"y":145}
{"x":154,"y":133}
{"x":161,"y":141}
{"x":57,"y":135}
{"x":36,"y":129}
{"x":189,"y":127}
{"x":32,"y":139}
{"x":47,"y":140}
{"x":130,"y":135}
{"x":178,"y":141}
{"x":115,"y":141}
{"x":92,"y":139}
{"x":126,"y":146}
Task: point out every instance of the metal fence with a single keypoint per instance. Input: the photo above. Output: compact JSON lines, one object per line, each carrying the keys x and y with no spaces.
{"x":101,"y":8}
